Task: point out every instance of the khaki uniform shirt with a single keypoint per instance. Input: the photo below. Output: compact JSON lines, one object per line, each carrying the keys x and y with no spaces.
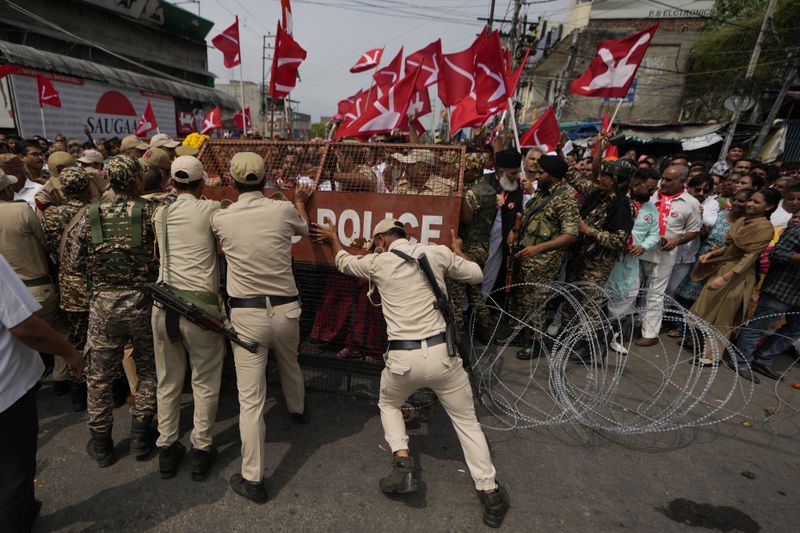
{"x":405,"y":293}
{"x":188,"y":251}
{"x":48,"y":196}
{"x":22,"y":240}
{"x":256,"y":237}
{"x":435,"y":186}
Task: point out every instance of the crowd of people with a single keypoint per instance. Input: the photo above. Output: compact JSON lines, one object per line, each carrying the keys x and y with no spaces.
{"x":84,"y":227}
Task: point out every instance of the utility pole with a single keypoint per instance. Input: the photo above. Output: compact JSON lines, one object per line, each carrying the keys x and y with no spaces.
{"x":566,"y":75}
{"x":514,"y":34}
{"x":264,"y":58}
{"x":765,"y":127}
{"x":491,"y":17}
{"x":751,"y":68}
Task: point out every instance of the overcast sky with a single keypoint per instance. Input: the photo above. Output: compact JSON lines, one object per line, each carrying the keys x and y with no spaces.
{"x":336,"y":32}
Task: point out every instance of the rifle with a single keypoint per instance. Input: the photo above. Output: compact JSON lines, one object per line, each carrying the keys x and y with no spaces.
{"x":511,"y":261}
{"x":194,"y":314}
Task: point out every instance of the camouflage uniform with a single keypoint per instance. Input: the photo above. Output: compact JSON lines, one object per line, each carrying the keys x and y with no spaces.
{"x":113,"y":245}
{"x":548,"y":215}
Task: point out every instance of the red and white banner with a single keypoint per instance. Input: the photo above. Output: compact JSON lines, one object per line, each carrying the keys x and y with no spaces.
{"x":428,"y":60}
{"x":186,"y":122}
{"x":147,"y":122}
{"x":227,"y":42}
{"x":286,"y":60}
{"x":544,"y":132}
{"x":457,"y":77}
{"x":368,"y":60}
{"x":212,"y":121}
{"x":490,"y":75}
{"x":287,"y":23}
{"x":613,"y":69}
{"x":390,"y":74}
{"x":245,"y":124}
{"x":47,"y":93}
{"x":465,"y":115}
{"x":420,"y":104}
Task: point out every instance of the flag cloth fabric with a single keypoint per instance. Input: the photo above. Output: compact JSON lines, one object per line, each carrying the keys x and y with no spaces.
{"x":286,"y":61}
{"x":611,"y":152}
{"x":428,"y":60}
{"x":47,"y":93}
{"x":247,"y":123}
{"x":287,"y":23}
{"x":512,"y":78}
{"x":390,"y":74}
{"x":457,"y":75}
{"x":613,"y":69}
{"x":147,"y":122}
{"x":358,"y":104}
{"x":227,"y":42}
{"x":544,"y":132}
{"x":5,"y":70}
{"x":465,"y":115}
{"x":212,"y":121}
{"x":186,"y":123}
{"x":368,"y":60}
{"x":490,"y":75}
{"x":384,"y":114}
{"x":420,"y":104}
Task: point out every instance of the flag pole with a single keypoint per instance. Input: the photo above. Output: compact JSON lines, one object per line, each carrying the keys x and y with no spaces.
{"x":614,"y":116}
{"x":241,"y":90}
{"x":513,"y":121}
{"x":44,"y":128}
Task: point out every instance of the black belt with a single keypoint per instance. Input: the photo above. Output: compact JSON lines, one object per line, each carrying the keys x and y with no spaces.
{"x":38,"y":282}
{"x":260,"y":302}
{"x":416,"y":345}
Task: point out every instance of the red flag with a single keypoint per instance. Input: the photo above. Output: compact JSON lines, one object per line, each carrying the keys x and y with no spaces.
{"x":512,"y":80}
{"x":287,"y":23}
{"x":237,"y":118}
{"x":368,"y":60}
{"x":388,"y":75}
{"x":544,"y":132}
{"x":405,"y":126}
{"x":420,"y":104}
{"x":5,"y":70}
{"x":147,"y":122}
{"x":383,"y":115}
{"x":212,"y":121}
{"x":490,"y":75}
{"x":227,"y":42}
{"x":357,"y":104}
{"x":457,"y":77}
{"x":428,"y":59}
{"x":611,"y":151}
{"x":613,"y":69}
{"x":286,"y":61}
{"x":47,"y":93}
{"x":186,"y":122}
{"x":466,"y":115}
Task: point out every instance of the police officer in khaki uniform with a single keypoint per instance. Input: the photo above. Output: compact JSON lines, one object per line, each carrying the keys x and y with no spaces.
{"x":417,"y":355}
{"x":52,"y":192}
{"x":189,"y":267}
{"x":256,"y":236}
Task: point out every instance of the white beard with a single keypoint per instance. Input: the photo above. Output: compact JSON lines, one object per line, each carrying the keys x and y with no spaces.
{"x":508,"y":185}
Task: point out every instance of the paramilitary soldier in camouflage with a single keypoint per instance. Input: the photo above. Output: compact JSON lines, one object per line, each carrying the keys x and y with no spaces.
{"x":59,"y":223}
{"x":113,"y":244}
{"x":549,"y":226}
{"x":605,"y":224}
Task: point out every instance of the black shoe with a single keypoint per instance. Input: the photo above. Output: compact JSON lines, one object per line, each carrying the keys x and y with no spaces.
{"x":143,"y":438}
{"x":302,"y":418}
{"x":483,"y":334}
{"x":582,"y":353}
{"x":101,"y":448}
{"x":495,"y":505}
{"x":202,"y":461}
{"x":60,"y":388}
{"x":515,"y":338}
{"x":169,"y":457}
{"x":77,"y":395}
{"x":249,"y":489}
{"x":531,"y":352}
{"x":766,"y":370}
{"x":401,"y":480}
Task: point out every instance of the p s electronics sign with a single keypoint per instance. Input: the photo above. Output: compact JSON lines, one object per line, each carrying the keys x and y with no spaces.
{"x":107,"y":111}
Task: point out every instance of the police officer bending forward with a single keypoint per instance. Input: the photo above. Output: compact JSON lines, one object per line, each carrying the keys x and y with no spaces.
{"x":417,"y":355}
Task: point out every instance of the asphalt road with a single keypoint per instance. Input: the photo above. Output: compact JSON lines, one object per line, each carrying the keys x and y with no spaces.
{"x":323,"y":476}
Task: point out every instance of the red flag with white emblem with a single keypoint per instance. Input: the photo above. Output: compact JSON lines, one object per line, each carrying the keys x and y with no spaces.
{"x":147,"y":122}
{"x":420,"y":104}
{"x":457,"y":76}
{"x":212,"y":121}
{"x":285,"y":62}
{"x":47,"y":93}
{"x":287,"y":23}
{"x":490,"y":75}
{"x":388,"y":75}
{"x":227,"y":42}
{"x":368,"y":60}
{"x":465,"y":115}
{"x":544,"y":132}
{"x":428,"y":60}
{"x":613,"y":69}
{"x":243,"y":124}
{"x":384,"y":114}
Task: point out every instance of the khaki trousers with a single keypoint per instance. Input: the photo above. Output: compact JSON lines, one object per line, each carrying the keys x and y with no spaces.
{"x":408,"y":370}
{"x":206,"y":351}
{"x":279,"y":327}
{"x":47,"y":297}
{"x":129,"y":366}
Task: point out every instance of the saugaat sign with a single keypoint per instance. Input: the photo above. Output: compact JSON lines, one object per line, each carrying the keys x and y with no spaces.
{"x":107,"y":111}
{"x":428,"y":219}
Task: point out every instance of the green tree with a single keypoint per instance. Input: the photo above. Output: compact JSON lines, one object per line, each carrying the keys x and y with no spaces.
{"x":318,"y":130}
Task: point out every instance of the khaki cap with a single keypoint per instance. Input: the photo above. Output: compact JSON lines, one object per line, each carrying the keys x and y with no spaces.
{"x":10,"y":161}
{"x":155,"y":157}
{"x":91,"y":157}
{"x":415,"y":156}
{"x":247,"y":167}
{"x":187,"y":169}
{"x":163,"y":140}
{"x":132,"y":141}
{"x":186,"y":150}
{"x":386,"y":224}
{"x":6,"y":180}
{"x":59,"y":159}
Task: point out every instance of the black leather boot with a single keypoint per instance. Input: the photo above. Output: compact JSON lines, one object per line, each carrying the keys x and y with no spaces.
{"x":401,"y":480}
{"x":254,"y":491}
{"x":202,"y":461}
{"x":495,"y":506}
{"x":77,"y":395}
{"x":143,"y":438}
{"x":515,"y":338}
{"x":101,"y":448}
{"x":169,"y":457}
